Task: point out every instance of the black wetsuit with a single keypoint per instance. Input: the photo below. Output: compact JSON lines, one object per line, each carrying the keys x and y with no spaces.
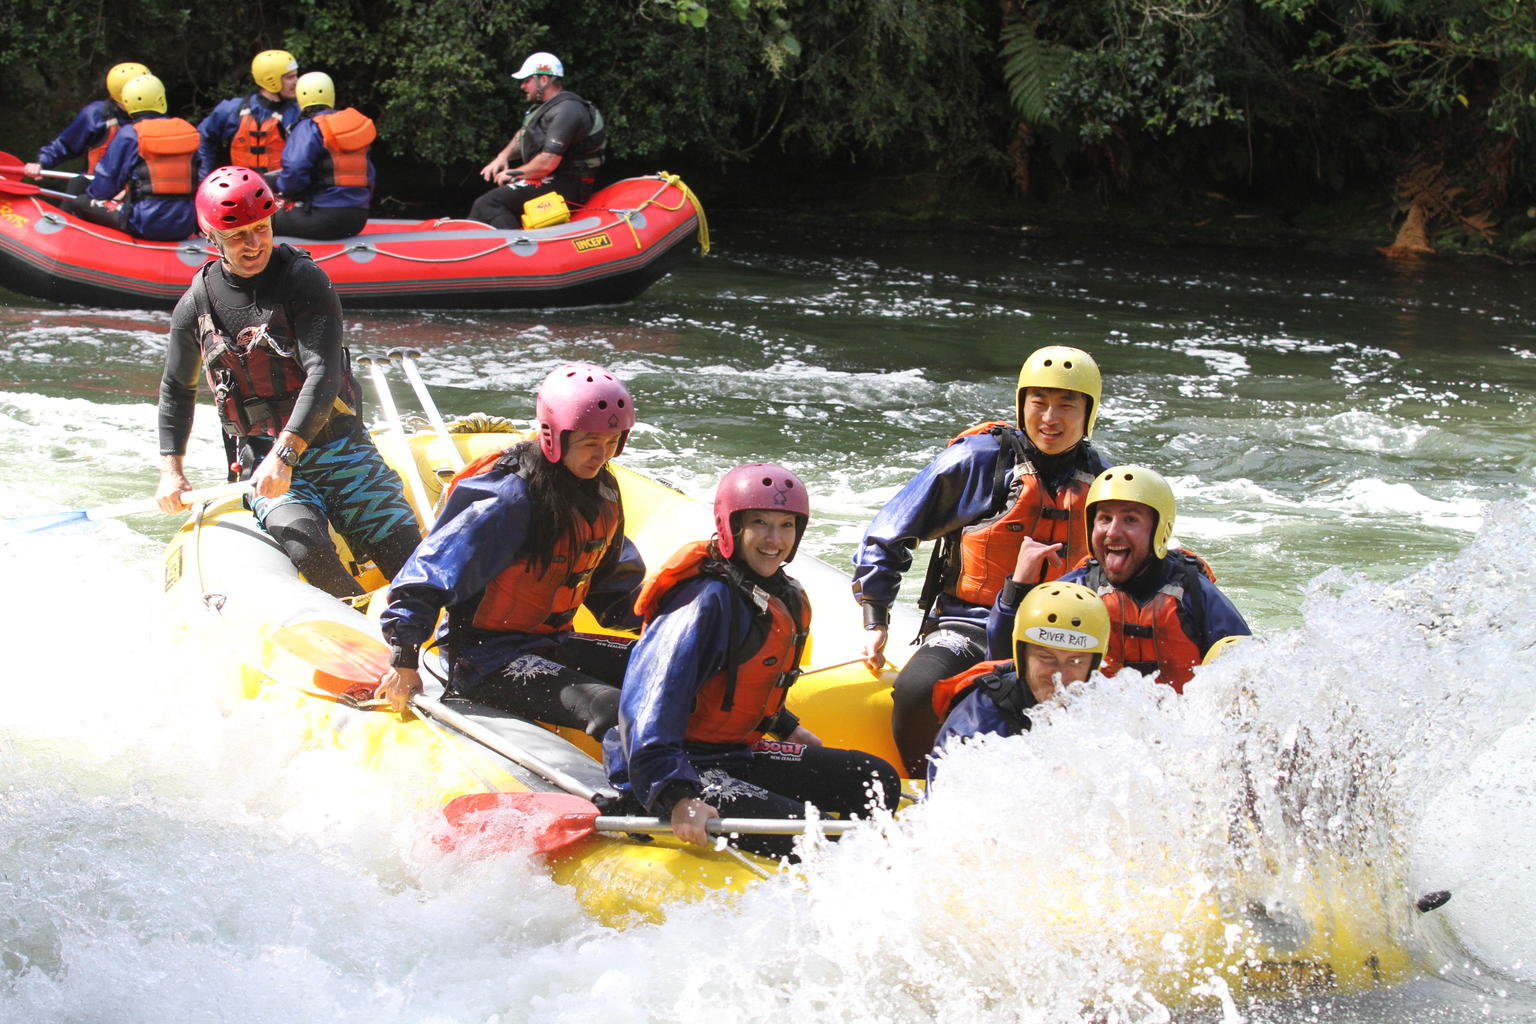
{"x":293,"y":300}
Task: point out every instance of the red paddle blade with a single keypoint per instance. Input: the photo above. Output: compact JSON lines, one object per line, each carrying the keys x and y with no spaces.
{"x":11,"y":165}
{"x":485,"y":824}
{"x":12,"y":187}
{"x":344,"y":660}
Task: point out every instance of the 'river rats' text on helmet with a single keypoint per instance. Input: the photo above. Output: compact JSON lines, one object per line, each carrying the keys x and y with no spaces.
{"x":1136,"y":483}
{"x":540,"y":63}
{"x":142,"y":93}
{"x":581,"y":396}
{"x":233,"y":197}
{"x":269,"y":66}
{"x":121,"y":75}
{"x":1059,"y":366}
{"x":315,"y":89}
{"x":1062,"y":616}
{"x":759,"y":485}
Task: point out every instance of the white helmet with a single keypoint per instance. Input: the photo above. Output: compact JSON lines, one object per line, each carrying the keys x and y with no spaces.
{"x":541,"y":63}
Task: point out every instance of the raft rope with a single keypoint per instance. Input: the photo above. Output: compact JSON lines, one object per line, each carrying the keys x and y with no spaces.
{"x":665,"y":179}
{"x":53,"y":215}
{"x":698,"y":207}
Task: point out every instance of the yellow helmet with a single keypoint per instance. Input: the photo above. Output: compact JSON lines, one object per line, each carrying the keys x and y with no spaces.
{"x":145,"y":92}
{"x":269,"y":66}
{"x":1221,"y":647}
{"x":1059,"y":366}
{"x":1136,"y":483}
{"x":316,"y":90}
{"x":120,"y":75}
{"x":1063,"y":616}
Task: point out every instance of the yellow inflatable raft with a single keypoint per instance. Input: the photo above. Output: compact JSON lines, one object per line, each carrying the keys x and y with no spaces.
{"x":236,"y":601}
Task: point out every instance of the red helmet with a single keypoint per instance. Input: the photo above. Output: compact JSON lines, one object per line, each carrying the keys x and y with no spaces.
{"x":581,"y":396}
{"x":759,"y":485}
{"x":232,"y":197}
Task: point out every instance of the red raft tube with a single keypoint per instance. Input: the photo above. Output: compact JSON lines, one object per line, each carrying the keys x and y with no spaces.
{"x":628,"y":236}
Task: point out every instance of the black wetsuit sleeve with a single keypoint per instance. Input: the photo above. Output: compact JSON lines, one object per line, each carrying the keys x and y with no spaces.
{"x":178,"y":382}
{"x":316,"y":317}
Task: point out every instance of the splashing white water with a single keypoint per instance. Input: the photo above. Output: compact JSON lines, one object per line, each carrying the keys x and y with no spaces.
{"x":167,"y":855}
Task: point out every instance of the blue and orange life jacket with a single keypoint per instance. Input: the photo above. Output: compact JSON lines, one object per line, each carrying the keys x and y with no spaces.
{"x":974,"y":562}
{"x":1000,"y":680}
{"x":1158,"y":636}
{"x":737,"y":704}
{"x":346,"y":134}
{"x":258,"y":144}
{"x":527,"y":598}
{"x":166,"y":147}
{"x":95,"y":153}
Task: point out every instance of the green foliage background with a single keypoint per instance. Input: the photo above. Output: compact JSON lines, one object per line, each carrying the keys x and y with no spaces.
{"x":1258,"y":98}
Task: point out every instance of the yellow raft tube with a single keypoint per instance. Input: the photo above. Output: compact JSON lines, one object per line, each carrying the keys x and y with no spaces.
{"x":236,"y":601}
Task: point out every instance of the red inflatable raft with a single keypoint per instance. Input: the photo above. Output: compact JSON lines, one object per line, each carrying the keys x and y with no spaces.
{"x":627,"y":237}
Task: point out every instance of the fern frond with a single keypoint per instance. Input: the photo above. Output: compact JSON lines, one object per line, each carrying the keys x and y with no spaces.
{"x":1031,"y":68}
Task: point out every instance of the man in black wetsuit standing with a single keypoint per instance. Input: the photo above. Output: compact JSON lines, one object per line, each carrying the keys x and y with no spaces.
{"x":557,"y":149}
{"x":263,"y":325}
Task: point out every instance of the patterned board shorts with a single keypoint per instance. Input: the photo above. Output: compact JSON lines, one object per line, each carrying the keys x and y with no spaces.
{"x":348,"y":482}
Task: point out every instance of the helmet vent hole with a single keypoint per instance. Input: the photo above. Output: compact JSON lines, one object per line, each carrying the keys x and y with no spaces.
{"x":602,"y":403}
{"x":1051,"y":617}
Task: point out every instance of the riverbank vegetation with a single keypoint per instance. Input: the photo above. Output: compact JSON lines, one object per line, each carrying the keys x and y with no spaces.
{"x":1413,"y":119}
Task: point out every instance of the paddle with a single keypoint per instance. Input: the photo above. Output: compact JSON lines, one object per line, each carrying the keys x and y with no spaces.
{"x":407,"y":358}
{"x":417,"y":487}
{"x":15,"y":167}
{"x":11,"y":187}
{"x":53,"y":520}
{"x":550,"y":822}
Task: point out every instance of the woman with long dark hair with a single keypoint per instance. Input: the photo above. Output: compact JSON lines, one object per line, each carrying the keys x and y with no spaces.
{"x":525,"y":538}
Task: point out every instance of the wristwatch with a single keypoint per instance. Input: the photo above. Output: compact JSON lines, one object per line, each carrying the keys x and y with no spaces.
{"x":287,"y":454}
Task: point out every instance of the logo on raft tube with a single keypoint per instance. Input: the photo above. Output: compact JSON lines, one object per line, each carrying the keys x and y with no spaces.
{"x":592,"y":242}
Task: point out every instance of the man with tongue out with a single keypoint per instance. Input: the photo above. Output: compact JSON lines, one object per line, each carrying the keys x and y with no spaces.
{"x":1165,"y":610}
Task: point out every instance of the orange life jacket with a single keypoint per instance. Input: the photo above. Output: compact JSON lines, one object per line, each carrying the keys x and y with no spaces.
{"x":95,"y":153}
{"x":737,"y":704}
{"x":347,"y":134}
{"x":1154,"y":637}
{"x":525,"y":598}
{"x":257,"y":144}
{"x":166,"y":145}
{"x":973,"y":563}
{"x":947,"y":692}
{"x":990,"y":547}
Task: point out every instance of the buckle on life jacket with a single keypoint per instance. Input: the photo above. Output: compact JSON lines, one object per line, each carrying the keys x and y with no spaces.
{"x":1139,"y":631}
{"x":1056,"y":513}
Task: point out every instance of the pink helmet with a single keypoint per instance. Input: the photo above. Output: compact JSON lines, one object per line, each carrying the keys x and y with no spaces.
{"x":759,"y":485}
{"x":232,"y":197}
{"x":581,"y":396}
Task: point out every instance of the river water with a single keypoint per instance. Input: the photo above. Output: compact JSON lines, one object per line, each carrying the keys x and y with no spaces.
{"x":1350,"y":442}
